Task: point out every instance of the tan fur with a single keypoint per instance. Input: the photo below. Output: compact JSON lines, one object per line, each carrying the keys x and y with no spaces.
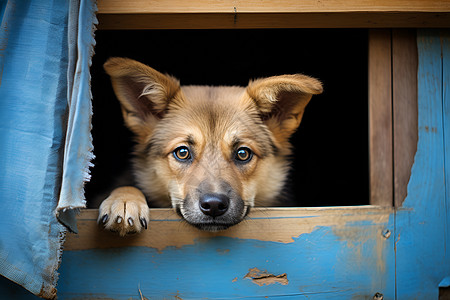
{"x":213,"y":122}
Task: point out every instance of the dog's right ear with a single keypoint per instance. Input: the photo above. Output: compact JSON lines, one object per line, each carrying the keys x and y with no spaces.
{"x":282,"y":101}
{"x":143,"y":92}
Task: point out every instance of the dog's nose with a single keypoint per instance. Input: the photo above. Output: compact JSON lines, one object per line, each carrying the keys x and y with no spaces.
{"x":214,"y":205}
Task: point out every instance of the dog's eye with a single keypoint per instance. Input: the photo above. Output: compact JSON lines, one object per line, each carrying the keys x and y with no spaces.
{"x":244,"y":154}
{"x":182,"y":153}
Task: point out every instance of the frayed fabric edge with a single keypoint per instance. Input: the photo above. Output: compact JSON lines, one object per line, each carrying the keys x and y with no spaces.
{"x":76,"y":169}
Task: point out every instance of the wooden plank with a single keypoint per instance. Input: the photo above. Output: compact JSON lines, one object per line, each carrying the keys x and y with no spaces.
{"x":183,"y":20}
{"x":404,"y":72}
{"x":179,"y":14}
{"x":166,"y":229}
{"x":259,"y":6}
{"x":422,"y":237}
{"x":380,"y":118}
{"x":445,"y":40}
{"x":332,"y":253}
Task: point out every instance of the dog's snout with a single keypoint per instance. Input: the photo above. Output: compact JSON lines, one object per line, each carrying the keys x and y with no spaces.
{"x":214,"y":205}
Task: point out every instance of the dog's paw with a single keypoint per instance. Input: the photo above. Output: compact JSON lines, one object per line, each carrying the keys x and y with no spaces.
{"x":125,"y":211}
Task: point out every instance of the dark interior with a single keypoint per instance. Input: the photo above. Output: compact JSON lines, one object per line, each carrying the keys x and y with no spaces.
{"x":330,"y":161}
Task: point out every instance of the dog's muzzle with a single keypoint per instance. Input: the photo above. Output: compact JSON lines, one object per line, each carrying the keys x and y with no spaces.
{"x":213,"y":211}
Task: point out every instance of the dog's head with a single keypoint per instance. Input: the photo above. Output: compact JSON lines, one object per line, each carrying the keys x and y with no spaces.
{"x":210,"y":152}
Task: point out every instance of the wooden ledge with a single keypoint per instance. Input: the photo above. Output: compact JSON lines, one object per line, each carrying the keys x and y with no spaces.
{"x":281,"y":225}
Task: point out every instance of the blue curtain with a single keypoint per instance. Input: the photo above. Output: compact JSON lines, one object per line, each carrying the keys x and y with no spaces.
{"x":45,"y":143}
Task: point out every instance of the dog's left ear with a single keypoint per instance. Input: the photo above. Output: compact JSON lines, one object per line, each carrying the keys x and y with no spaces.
{"x":143,"y":92}
{"x":282,"y":101}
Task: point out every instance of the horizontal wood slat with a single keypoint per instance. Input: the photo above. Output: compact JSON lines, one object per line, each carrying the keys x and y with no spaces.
{"x":209,"y":14}
{"x":129,"y":21}
{"x":265,"y":6}
{"x":280,"y":225}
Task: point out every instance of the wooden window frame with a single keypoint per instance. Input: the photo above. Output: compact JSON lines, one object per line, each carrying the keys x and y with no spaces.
{"x":392,"y":65}
{"x":393,"y":127}
{"x":392,"y":59}
{"x":375,"y":251}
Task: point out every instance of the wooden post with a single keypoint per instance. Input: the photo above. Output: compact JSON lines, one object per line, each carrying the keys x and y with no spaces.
{"x":380,"y":118}
{"x":404,"y":75}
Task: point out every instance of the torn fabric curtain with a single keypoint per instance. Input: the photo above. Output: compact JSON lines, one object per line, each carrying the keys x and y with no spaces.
{"x":45,"y":49}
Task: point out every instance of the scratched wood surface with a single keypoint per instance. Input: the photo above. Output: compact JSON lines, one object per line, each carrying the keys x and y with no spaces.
{"x":276,"y":252}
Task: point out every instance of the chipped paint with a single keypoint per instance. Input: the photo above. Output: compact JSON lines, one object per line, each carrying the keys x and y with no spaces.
{"x":264,"y":278}
{"x":309,"y":261}
{"x":281,"y":225}
{"x":294,"y":245}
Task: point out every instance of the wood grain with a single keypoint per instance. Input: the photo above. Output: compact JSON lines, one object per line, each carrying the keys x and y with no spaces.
{"x":280,"y":225}
{"x":209,"y":14}
{"x":128,"y":21}
{"x":380,"y":118}
{"x":259,"y":6}
{"x":404,"y":80}
{"x":422,"y":247}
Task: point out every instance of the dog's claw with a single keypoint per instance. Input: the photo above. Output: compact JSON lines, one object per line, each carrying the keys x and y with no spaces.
{"x":124,"y":210}
{"x":105,"y":218}
{"x":143,"y":222}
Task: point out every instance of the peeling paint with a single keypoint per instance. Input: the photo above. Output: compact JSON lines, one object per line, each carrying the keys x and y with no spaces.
{"x":264,"y":278}
{"x":281,"y":225}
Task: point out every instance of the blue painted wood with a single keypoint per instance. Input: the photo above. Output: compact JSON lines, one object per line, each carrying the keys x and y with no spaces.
{"x":331,"y":262}
{"x":350,"y":262}
{"x":422,"y":233}
{"x":446,"y":120}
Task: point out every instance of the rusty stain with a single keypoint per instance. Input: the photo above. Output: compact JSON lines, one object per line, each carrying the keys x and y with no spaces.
{"x":264,"y":278}
{"x":234,"y":279}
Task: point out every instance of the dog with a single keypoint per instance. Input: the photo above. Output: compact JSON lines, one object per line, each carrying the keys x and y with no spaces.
{"x":209,"y":152}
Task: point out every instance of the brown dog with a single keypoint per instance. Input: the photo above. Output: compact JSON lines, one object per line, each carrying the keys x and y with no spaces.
{"x":211,"y":153}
